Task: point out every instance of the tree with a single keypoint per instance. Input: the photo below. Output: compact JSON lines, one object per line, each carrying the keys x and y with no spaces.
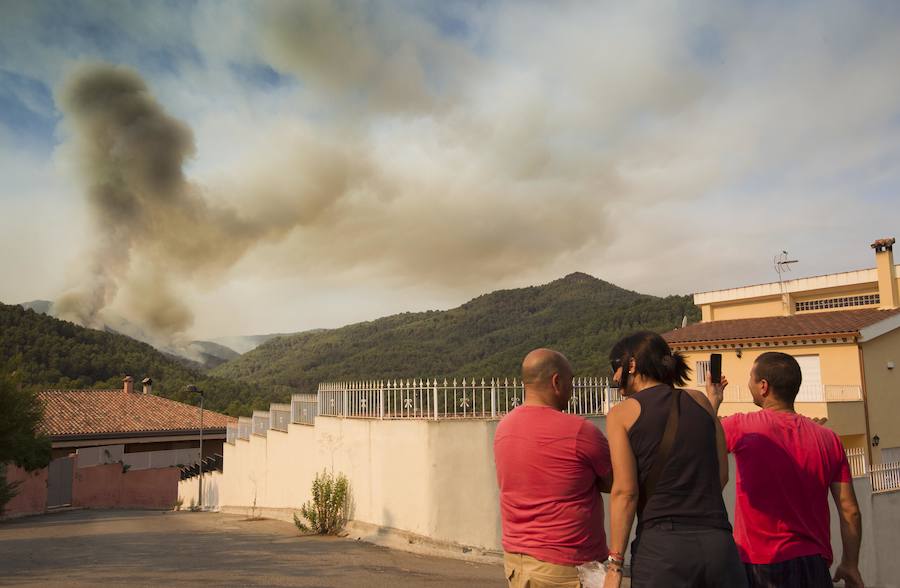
{"x":21,"y":443}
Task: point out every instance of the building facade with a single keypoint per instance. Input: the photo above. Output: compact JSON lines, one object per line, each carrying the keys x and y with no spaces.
{"x":844,"y":330}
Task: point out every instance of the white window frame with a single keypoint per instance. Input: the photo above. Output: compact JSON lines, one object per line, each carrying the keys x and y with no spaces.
{"x":701,"y":368}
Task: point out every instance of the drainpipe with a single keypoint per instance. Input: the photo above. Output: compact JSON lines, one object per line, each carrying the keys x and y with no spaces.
{"x":865,"y":399}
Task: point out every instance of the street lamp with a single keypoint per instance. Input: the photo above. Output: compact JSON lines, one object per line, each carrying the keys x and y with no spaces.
{"x":194,"y":390}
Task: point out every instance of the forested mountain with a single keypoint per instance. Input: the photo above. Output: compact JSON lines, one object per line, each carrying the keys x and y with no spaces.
{"x":196,"y":355}
{"x":488,"y":336}
{"x":579,"y":315}
{"x":45,"y":352}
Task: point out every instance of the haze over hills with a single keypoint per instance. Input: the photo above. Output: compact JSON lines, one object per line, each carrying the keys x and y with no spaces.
{"x":579,"y":315}
{"x":200,"y":355}
{"x":45,"y":352}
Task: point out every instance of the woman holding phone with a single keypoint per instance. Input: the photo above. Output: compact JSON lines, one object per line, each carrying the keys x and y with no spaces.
{"x":669,"y":467}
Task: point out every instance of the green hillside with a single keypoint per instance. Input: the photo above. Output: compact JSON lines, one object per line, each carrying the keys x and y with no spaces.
{"x":578,"y":315}
{"x":45,"y":352}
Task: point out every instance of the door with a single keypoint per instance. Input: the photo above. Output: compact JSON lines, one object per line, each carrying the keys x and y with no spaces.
{"x":811,"y":388}
{"x":59,"y":482}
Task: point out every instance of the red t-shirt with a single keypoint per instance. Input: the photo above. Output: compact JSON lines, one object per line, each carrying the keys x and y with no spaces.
{"x":786,"y":464}
{"x":548,"y":463}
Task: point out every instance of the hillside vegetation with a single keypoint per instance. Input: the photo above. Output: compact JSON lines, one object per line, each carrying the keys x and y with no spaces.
{"x":45,"y":352}
{"x":579,"y":315}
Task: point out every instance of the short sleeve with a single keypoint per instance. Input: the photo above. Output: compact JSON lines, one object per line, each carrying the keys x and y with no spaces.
{"x":733,"y":426}
{"x":592,"y":446}
{"x":842,"y":472}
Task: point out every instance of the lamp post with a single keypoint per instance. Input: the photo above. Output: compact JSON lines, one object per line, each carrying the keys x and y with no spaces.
{"x":194,"y":390}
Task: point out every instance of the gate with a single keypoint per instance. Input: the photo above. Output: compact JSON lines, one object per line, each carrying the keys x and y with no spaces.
{"x":59,"y":482}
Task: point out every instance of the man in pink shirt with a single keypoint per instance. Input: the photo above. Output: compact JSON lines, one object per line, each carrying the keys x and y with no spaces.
{"x":786,"y":465}
{"x":551,"y":468}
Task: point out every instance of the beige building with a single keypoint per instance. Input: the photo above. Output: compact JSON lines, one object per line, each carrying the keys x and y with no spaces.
{"x":844,"y":330}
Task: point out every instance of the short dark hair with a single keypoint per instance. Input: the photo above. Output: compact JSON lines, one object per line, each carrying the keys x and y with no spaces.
{"x":652,"y":358}
{"x":781,"y":371}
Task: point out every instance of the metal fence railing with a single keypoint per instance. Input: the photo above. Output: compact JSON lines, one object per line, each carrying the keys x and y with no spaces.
{"x":434,"y":399}
{"x":885,"y":477}
{"x":807,"y":393}
{"x":857,"y":458}
{"x":245,"y":426}
{"x":279,"y":416}
{"x":304,"y":408}
{"x":260,"y":422}
{"x":231,"y":433}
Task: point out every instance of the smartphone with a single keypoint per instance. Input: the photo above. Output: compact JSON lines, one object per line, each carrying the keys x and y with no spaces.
{"x":715,"y":368}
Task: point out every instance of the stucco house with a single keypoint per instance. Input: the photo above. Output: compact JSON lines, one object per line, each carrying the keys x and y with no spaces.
{"x":115,"y":448}
{"x":844,"y":330}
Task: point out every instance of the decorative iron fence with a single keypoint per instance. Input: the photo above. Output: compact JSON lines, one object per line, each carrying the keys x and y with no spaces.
{"x":856,"y":456}
{"x":279,"y":416}
{"x":433,"y":399}
{"x":304,"y":408}
{"x":885,"y":477}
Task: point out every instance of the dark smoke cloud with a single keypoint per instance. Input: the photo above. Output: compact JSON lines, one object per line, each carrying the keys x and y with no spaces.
{"x":152,"y":226}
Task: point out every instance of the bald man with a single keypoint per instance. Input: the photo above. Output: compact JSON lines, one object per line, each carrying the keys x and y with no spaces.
{"x":551,"y":468}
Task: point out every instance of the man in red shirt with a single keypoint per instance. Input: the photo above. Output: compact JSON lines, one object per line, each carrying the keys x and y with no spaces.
{"x":551,"y":468}
{"x":786,"y":465}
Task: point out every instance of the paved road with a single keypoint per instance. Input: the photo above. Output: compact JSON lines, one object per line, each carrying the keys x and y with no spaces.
{"x":147,"y":548}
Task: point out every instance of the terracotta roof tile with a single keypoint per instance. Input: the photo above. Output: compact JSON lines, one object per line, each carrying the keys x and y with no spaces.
{"x":83,"y":412}
{"x":818,"y":323}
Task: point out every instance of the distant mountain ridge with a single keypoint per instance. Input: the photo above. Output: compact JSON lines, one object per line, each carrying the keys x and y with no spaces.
{"x":580,"y":315}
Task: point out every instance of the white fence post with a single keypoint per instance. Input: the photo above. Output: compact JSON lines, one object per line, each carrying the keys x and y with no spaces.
{"x":434,"y":396}
{"x":493,"y":399}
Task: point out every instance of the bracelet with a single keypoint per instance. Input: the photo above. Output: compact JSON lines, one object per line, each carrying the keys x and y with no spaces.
{"x":612,"y":563}
{"x":615,"y":555}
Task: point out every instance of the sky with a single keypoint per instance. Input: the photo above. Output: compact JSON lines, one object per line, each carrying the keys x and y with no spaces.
{"x":221,"y":168}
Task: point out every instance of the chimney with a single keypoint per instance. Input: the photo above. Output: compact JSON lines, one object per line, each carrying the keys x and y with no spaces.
{"x":887,"y":274}
{"x":148,"y":385}
{"x":129,"y":384}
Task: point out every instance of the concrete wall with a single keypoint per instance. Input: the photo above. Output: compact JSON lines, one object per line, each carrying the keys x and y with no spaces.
{"x":746,"y":309}
{"x":107,"y":486}
{"x":883,"y":390}
{"x":188,"y":491}
{"x":436,"y":480}
{"x":32,"y":491}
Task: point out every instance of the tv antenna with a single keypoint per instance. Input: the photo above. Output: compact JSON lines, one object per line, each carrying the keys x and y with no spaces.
{"x":782,"y":265}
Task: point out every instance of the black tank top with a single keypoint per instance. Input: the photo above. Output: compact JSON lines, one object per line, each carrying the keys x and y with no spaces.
{"x":688,"y":489}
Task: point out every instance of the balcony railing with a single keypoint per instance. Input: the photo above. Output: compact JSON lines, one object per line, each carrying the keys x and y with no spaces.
{"x":885,"y":477}
{"x":808,"y":393}
{"x":856,"y":456}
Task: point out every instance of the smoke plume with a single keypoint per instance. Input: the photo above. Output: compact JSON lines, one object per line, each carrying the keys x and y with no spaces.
{"x":153,"y":227}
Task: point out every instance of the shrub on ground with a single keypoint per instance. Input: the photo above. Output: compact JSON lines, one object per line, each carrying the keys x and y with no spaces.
{"x":326,"y":513}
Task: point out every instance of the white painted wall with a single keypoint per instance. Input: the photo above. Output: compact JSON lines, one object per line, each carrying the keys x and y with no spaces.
{"x":436,"y":479}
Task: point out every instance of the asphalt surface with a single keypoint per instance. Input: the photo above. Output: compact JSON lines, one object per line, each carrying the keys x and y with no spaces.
{"x":152,"y":548}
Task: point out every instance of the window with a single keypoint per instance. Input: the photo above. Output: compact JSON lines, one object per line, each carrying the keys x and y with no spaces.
{"x":702,"y":368}
{"x":844,"y":302}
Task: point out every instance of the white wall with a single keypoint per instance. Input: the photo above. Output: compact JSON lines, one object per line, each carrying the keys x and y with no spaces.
{"x":436,"y":479}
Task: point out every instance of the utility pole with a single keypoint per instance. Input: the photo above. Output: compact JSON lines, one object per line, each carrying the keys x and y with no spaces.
{"x":194,"y":390}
